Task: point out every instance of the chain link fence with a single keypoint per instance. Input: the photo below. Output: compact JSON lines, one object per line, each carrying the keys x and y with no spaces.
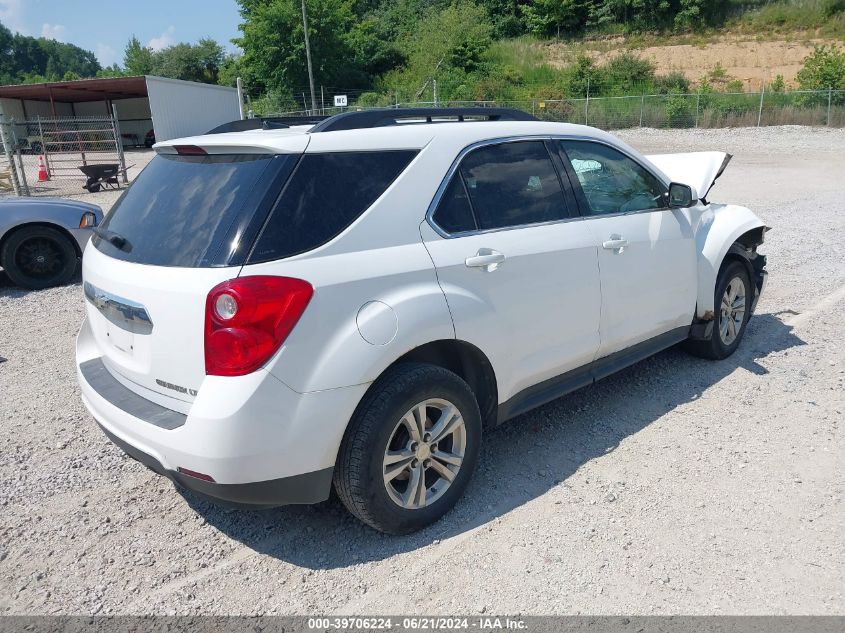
{"x":61,"y":156}
{"x":80,"y":155}
{"x":688,"y":110}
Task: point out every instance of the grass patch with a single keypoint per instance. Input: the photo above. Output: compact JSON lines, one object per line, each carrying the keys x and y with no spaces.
{"x":824,"y":17}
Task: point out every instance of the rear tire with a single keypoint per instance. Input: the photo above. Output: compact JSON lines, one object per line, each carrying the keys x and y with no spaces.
{"x":733,"y":297}
{"x":397,"y":469}
{"x":37,"y":257}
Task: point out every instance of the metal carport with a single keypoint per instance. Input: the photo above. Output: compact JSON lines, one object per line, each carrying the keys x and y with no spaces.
{"x":171,"y":107}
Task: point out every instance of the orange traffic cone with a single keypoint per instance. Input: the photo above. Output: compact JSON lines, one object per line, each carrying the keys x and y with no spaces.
{"x":42,"y":170}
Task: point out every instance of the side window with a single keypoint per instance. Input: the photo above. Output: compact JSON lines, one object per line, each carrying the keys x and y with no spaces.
{"x":510,"y":184}
{"x":612,"y":182}
{"x":454,"y":213}
{"x":325,"y":194}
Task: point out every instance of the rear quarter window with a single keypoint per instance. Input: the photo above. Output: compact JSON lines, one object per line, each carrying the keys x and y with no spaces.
{"x":325,"y":194}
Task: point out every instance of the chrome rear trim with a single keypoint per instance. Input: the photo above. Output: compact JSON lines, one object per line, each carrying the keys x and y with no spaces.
{"x":125,"y":314}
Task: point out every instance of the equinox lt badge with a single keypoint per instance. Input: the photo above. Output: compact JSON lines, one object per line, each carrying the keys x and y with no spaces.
{"x":180,"y":389}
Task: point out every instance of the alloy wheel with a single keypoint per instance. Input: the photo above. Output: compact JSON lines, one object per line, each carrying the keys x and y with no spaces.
{"x":732,"y":310}
{"x":424,"y":453}
{"x":39,"y":258}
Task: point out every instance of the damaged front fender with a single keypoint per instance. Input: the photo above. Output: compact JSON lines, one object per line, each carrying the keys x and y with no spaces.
{"x":727,"y":230}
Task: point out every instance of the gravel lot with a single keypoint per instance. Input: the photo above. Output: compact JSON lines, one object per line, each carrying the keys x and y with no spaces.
{"x":677,"y":486}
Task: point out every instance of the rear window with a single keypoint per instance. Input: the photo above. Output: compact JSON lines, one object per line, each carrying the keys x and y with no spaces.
{"x":180,"y":209}
{"x":325,"y":194}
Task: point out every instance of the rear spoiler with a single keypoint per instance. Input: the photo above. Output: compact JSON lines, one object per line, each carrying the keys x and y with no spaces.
{"x":699,"y":170}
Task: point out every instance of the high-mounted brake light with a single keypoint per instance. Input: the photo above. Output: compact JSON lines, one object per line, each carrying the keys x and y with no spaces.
{"x":248,"y":318}
{"x":190,"y":150}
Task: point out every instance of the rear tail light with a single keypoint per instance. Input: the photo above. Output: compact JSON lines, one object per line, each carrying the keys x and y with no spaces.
{"x":248,"y":318}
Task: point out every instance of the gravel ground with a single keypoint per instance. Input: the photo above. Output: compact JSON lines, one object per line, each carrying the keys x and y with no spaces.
{"x":676,"y":486}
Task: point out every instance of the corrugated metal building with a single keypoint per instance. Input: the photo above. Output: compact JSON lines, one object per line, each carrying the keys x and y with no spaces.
{"x":170,"y":107}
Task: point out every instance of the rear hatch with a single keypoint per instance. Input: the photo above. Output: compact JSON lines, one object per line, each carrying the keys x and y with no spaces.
{"x":185,"y":225}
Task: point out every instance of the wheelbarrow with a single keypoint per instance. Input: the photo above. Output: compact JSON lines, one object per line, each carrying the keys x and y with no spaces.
{"x":102,"y":176}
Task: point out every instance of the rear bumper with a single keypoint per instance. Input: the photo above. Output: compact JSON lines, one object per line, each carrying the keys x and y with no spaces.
{"x":261,"y":443}
{"x":307,"y":488}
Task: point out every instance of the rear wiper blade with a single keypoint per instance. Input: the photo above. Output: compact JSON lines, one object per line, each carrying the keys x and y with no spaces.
{"x":115,"y":239}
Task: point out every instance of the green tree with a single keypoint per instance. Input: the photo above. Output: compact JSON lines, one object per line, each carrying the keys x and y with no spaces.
{"x":628,"y":74}
{"x":507,"y":16}
{"x":7,"y":66}
{"x":191,"y":62}
{"x":137,"y":59}
{"x":455,"y":37}
{"x":230,"y":70}
{"x":673,"y":83}
{"x":555,"y":17}
{"x":273,"y":43}
{"x":111,"y":71}
{"x":23,"y":58}
{"x":824,"y":68}
{"x":583,"y":76}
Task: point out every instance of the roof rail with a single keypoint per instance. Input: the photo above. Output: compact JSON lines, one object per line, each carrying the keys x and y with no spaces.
{"x":395,"y":116}
{"x":265,"y":123}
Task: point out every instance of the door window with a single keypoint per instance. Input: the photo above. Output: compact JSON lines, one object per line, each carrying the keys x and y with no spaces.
{"x":612,"y":182}
{"x":509,"y":184}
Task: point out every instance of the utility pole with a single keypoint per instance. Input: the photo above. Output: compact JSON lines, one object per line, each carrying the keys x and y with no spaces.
{"x":308,"y":58}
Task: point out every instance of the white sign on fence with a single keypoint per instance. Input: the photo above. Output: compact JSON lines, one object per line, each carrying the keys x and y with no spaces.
{"x":340,"y":101}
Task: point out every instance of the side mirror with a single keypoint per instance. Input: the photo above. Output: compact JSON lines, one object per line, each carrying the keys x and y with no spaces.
{"x":681,"y":196}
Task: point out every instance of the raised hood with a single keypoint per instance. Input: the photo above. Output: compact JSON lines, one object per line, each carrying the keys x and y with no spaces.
{"x":699,"y":170}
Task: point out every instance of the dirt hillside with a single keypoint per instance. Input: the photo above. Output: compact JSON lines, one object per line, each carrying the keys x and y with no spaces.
{"x":746,"y":59}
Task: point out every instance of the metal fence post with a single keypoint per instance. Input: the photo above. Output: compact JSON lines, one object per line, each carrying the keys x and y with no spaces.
{"x":119,"y":143}
{"x":829,"y":94}
{"x":760,"y":111}
{"x":697,"y":107}
{"x":10,"y":157}
{"x":240,"y":88}
{"x":642,"y":108}
{"x":587,"y":102}
{"x":22,"y":173}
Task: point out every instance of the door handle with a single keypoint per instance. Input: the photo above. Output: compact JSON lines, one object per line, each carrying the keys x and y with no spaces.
{"x":615,"y":243}
{"x":485,"y":258}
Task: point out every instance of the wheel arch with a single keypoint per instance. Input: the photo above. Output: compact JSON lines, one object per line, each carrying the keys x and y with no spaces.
{"x":734,"y":233}
{"x":465,"y":360}
{"x":42,"y":223}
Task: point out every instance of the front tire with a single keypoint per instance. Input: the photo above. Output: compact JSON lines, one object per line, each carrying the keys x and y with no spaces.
{"x":37,"y":257}
{"x":410,"y":448}
{"x":733,"y":300}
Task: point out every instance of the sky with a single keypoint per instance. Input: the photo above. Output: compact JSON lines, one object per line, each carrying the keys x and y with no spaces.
{"x":105,"y":27}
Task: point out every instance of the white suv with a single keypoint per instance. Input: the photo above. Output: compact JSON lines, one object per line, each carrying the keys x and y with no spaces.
{"x":276,"y":311}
